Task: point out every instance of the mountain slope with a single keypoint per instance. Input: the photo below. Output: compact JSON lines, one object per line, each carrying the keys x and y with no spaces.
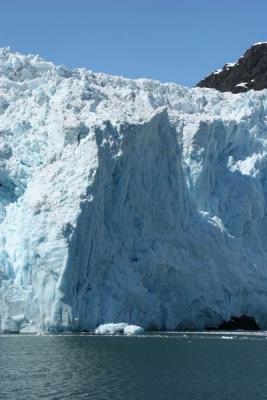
{"x":249,"y":72}
{"x":127,"y":200}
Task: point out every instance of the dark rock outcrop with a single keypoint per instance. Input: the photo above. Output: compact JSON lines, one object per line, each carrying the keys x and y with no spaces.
{"x":249,"y":72}
{"x":243,"y":323}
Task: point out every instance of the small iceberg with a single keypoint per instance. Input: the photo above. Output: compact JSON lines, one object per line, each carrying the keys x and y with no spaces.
{"x":133,"y":330}
{"x":120,"y":328}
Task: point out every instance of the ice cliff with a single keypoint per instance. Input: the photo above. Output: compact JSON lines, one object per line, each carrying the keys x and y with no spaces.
{"x":128,"y":200}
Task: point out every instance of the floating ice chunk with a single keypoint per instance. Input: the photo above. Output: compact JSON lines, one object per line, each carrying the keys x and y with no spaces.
{"x":133,"y":330}
{"x":110,"y":329}
{"x":113,"y":329}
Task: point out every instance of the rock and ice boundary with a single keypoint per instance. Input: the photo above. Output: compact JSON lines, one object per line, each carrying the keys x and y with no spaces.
{"x":128,"y":200}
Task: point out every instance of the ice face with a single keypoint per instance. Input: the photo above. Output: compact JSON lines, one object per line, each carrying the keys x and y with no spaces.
{"x":128,"y":200}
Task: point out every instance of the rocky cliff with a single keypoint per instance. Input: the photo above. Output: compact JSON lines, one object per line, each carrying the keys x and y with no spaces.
{"x":249,"y":72}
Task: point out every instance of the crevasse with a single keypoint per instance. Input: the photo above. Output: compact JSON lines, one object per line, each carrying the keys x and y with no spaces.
{"x":128,"y":200}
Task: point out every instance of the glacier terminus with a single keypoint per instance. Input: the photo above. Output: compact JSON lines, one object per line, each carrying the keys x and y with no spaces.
{"x":128,"y":200}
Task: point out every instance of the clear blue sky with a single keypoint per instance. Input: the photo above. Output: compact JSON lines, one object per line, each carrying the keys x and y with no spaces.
{"x":169,"y":40}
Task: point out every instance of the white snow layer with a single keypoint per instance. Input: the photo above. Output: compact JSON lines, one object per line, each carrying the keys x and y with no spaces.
{"x":128,"y":200}
{"x":259,"y":43}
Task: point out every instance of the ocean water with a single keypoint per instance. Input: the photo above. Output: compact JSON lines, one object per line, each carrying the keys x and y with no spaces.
{"x":150,"y":367}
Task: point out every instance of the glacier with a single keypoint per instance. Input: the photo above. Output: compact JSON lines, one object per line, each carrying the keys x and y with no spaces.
{"x":128,"y":200}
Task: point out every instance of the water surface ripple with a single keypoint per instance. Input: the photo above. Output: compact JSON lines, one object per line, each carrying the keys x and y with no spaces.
{"x":155,"y":367}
